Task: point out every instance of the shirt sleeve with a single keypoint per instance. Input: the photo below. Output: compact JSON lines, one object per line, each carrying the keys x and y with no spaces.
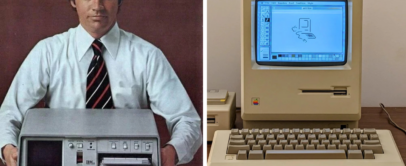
{"x":169,"y":99}
{"x":27,"y":89}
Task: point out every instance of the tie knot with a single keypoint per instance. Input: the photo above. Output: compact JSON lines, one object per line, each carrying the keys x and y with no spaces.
{"x":97,"y":45}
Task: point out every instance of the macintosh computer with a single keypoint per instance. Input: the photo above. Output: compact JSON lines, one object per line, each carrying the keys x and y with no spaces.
{"x":96,"y":137}
{"x":301,"y":89}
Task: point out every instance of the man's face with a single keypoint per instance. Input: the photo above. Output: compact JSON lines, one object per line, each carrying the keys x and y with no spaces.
{"x":96,"y":16}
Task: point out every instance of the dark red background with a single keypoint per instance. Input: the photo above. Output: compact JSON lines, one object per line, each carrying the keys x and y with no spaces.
{"x":174,"y":26}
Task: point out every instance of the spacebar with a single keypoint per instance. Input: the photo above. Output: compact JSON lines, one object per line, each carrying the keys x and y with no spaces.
{"x":305,"y":154}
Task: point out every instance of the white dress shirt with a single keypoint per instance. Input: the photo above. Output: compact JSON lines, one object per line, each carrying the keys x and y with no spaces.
{"x":56,"y":70}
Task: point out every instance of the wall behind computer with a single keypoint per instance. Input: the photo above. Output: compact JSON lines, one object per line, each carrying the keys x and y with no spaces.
{"x":384,"y":50}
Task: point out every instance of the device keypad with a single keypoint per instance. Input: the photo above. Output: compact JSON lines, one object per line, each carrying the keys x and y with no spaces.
{"x":349,"y":143}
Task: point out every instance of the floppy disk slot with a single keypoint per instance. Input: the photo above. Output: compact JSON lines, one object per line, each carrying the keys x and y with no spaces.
{"x":335,"y":92}
{"x":211,"y":119}
{"x":125,"y":160}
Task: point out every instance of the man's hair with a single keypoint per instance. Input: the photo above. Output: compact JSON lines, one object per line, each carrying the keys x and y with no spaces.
{"x":119,"y":4}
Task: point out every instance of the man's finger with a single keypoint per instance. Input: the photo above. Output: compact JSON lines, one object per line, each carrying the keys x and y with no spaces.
{"x":14,"y":155}
{"x":13,"y":162}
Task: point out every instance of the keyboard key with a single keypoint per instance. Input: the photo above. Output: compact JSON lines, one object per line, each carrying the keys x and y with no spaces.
{"x":325,"y":142}
{"x":256,"y":147}
{"x":311,"y":137}
{"x":355,"y":154}
{"x":347,"y":142}
{"x":301,"y":137}
{"x":373,"y":137}
{"x":363,"y":137}
{"x":236,"y":142}
{"x":342,"y":147}
{"x":270,"y":137}
{"x":288,"y":147}
{"x":262,"y":142}
{"x":353,"y":137}
{"x":235,"y":132}
{"x":310,"y":147}
{"x":321,"y":147}
{"x":353,"y":147}
{"x":278,"y":147}
{"x":342,"y":137}
{"x":242,"y":155}
{"x":371,"y":142}
{"x":326,"y":131}
{"x":236,"y":137}
{"x":283,"y":143}
{"x":335,"y":142}
{"x":322,"y":137}
{"x":316,"y":131}
{"x":377,"y":149}
{"x":332,"y":147}
{"x":285,"y":131}
{"x":256,"y":155}
{"x":233,"y":149}
{"x":249,"y":137}
{"x":275,"y":131}
{"x":369,"y":131}
{"x":291,"y":137}
{"x":259,"y":137}
{"x":296,"y":131}
{"x":304,"y":142}
{"x":293,"y":142}
{"x":251,"y":143}
{"x":255,"y":132}
{"x":337,"y":131}
{"x":272,"y":142}
{"x":357,"y":131}
{"x":369,"y":154}
{"x":265,"y":131}
{"x":267,"y":147}
{"x":280,"y":137}
{"x":347,"y":131}
{"x":299,"y":147}
{"x":357,"y":142}
{"x":306,"y":131}
{"x":305,"y":154}
{"x":315,"y":142}
{"x":332,"y":137}
{"x":244,"y":132}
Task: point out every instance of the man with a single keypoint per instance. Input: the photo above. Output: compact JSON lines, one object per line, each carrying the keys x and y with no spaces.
{"x":98,"y":65}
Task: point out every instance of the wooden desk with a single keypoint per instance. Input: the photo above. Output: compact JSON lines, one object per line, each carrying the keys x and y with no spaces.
{"x":371,"y":117}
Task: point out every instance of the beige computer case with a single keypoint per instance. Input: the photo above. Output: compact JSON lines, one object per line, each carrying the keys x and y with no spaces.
{"x":224,"y":115}
{"x":277,"y":91}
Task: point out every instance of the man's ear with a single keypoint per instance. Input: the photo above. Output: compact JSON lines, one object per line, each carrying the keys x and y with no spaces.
{"x":73,"y":4}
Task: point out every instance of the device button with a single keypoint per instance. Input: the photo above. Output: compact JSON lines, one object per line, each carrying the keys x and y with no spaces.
{"x":80,"y":145}
{"x":147,"y":146}
{"x":136,"y":146}
{"x":71,"y":145}
{"x":113,"y":145}
{"x":125,"y":146}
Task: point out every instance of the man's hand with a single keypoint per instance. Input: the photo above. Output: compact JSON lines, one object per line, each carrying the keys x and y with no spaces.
{"x":10,"y":154}
{"x":168,"y":155}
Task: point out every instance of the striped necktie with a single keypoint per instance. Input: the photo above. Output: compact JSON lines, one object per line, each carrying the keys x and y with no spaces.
{"x":98,"y":92}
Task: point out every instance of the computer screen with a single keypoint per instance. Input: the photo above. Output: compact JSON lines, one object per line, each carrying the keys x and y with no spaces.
{"x":301,"y":33}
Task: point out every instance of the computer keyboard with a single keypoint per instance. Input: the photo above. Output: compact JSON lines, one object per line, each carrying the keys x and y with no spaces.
{"x":302,"y":147}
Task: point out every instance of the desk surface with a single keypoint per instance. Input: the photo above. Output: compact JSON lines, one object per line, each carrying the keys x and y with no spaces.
{"x":371,"y":117}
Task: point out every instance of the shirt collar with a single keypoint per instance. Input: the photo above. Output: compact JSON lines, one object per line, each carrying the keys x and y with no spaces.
{"x":110,"y":41}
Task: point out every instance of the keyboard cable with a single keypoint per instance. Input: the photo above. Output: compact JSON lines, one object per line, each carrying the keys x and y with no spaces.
{"x":390,"y":119}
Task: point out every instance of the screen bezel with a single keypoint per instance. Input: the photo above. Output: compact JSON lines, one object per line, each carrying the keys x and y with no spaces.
{"x":302,"y":63}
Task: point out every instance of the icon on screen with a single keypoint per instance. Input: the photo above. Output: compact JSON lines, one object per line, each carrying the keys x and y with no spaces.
{"x":303,"y":31}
